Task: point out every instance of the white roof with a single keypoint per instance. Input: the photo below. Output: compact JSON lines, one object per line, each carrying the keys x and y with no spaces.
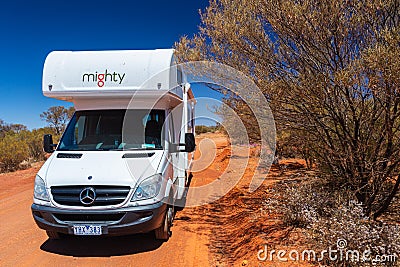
{"x":78,"y":75}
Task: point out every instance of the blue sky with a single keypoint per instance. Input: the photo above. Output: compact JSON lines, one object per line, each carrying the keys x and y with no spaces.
{"x":31,"y":29}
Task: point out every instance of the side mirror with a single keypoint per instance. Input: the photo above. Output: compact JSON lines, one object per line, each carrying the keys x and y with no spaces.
{"x":48,"y":145}
{"x":190,"y":143}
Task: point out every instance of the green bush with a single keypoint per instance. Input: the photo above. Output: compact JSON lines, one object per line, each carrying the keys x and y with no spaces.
{"x":206,"y":129}
{"x":13,"y":151}
{"x":34,"y":140}
{"x":21,"y":146}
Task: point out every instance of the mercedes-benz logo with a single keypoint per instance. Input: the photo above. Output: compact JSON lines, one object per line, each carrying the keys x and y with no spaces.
{"x":87,"y":196}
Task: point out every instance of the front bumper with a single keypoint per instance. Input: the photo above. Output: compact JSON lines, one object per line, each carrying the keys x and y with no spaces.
{"x":122,"y":221}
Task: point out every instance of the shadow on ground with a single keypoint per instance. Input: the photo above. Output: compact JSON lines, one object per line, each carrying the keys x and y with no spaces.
{"x":101,"y":246}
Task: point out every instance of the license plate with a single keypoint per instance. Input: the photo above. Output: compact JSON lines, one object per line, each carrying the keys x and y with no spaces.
{"x":87,"y":229}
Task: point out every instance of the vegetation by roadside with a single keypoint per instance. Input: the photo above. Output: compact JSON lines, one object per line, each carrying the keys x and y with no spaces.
{"x":20,"y":147}
{"x":329,"y":218}
{"x":330,"y":71}
{"x":200,"y":129}
{"x":292,"y":211}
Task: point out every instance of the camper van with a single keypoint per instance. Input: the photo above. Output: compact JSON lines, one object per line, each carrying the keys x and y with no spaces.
{"x":122,"y":164}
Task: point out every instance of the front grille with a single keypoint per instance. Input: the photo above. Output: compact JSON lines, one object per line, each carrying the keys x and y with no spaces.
{"x":89,"y":217}
{"x":105,"y":195}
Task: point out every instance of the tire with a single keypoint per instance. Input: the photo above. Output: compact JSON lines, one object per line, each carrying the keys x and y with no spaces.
{"x":54,"y":235}
{"x":164,"y":231}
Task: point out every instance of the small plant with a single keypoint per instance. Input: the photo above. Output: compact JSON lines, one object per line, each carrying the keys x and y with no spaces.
{"x":329,"y":215}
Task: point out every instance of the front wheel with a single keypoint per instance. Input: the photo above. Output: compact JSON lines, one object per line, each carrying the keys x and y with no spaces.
{"x":164,"y":231}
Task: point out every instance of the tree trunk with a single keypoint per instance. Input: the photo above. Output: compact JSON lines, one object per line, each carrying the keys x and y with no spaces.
{"x":388,"y":200}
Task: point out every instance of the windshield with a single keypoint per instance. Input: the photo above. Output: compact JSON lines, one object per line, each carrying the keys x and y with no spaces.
{"x":102,"y":130}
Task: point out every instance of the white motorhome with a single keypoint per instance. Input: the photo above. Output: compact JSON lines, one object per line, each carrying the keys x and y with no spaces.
{"x":124,"y":159}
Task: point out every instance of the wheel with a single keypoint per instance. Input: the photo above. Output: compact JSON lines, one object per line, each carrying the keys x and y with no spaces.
{"x":164,"y":231}
{"x":54,"y":235}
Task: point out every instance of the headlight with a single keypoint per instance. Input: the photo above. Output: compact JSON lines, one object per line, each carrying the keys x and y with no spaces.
{"x":148,"y":188}
{"x":39,"y":191}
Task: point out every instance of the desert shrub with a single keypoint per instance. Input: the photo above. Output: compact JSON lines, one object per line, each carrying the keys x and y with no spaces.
{"x":349,"y":223}
{"x":205,"y":129}
{"x":330,"y":72}
{"x":10,"y":127}
{"x":18,"y":149}
{"x":329,"y":215}
{"x":34,"y":141}
{"x":13,"y":151}
{"x":35,"y":144}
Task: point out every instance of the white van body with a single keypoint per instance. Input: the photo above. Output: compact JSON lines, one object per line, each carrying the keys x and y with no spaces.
{"x":120,"y":167}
